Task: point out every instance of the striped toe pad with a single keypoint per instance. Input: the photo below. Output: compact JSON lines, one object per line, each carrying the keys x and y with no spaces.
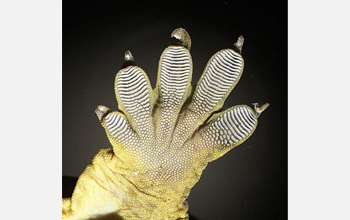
{"x":221,"y":74}
{"x":134,"y":95}
{"x":230,"y":128}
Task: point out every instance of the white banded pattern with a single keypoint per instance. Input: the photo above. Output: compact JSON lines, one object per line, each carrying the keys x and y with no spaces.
{"x":175,"y":68}
{"x":118,"y":128}
{"x":174,"y":78}
{"x":221,"y":74}
{"x":230,"y":128}
{"x":133,"y":92}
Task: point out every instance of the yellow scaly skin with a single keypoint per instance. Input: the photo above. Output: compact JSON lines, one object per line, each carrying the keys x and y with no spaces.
{"x":163,"y":138}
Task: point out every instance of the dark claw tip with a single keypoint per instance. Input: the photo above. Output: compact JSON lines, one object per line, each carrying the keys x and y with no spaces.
{"x":260,"y":108}
{"x":128,"y":56}
{"x":182,"y":36}
{"x":101,"y":112}
{"x":128,"y":59}
{"x":239,"y":44}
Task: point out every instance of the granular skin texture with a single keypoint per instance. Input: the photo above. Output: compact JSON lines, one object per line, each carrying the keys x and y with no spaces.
{"x":162,"y":138}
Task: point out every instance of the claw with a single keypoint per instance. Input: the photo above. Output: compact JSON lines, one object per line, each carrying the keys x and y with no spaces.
{"x":101,"y":112}
{"x":128,"y":56}
{"x":128,"y":59}
{"x":183,"y":37}
{"x":239,"y":44}
{"x":260,"y":108}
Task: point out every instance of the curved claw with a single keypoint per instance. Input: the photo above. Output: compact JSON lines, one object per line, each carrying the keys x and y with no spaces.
{"x":128,"y":59}
{"x":239,"y":44}
{"x":128,"y":56}
{"x":183,"y":37}
{"x":101,"y":112}
{"x":260,"y":108}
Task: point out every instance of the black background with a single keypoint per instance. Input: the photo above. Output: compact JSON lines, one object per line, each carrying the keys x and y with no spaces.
{"x":249,"y":182}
